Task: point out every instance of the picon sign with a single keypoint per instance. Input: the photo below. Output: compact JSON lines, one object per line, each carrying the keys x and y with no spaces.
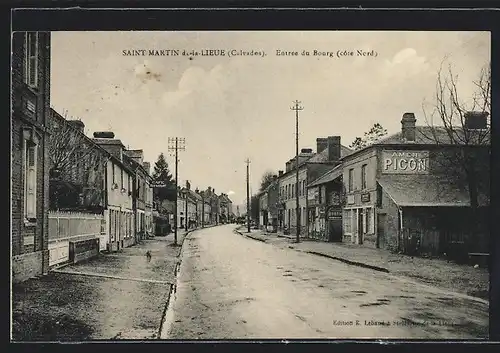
{"x":405,"y":162}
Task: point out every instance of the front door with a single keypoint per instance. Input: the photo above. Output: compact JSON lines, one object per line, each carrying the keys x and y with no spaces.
{"x":381,"y":230}
{"x":360,"y":226}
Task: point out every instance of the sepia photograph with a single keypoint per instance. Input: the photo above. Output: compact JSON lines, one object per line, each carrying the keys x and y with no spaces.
{"x":217,"y":185}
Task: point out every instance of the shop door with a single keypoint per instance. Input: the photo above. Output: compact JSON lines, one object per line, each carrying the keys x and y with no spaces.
{"x":381,"y":230}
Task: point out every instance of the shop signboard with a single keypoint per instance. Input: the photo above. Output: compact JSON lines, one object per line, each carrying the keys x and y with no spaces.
{"x":405,"y":162}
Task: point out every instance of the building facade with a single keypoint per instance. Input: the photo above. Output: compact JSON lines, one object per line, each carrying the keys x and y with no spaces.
{"x":325,"y":195}
{"x":119,"y":213}
{"x":409,"y":192}
{"x":142,"y":193}
{"x":311,"y":166}
{"x":269,"y":206}
{"x":29,"y":156}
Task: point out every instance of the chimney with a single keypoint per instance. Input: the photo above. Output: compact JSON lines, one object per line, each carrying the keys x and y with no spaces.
{"x":188,"y":185}
{"x":280,"y":173}
{"x":147,"y":166}
{"x":408,"y":127}
{"x":104,"y":135}
{"x":321,"y":144}
{"x":78,"y":125}
{"x":476,"y":120}
{"x":136,"y":155}
{"x":306,"y":150}
{"x":106,"y":140}
{"x":333,"y":148}
{"x":275,"y":177}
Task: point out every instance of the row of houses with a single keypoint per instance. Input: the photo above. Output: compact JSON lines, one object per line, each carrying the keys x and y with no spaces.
{"x":199,"y":208}
{"x":408,"y":192}
{"x":74,"y":196}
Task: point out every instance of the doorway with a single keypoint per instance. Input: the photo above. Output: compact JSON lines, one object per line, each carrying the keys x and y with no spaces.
{"x":360,"y":226}
{"x":381,"y":218}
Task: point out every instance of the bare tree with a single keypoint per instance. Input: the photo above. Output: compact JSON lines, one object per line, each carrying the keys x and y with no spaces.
{"x":462,"y":122}
{"x":77,"y":166}
{"x":266,"y":180}
{"x":375,"y":133}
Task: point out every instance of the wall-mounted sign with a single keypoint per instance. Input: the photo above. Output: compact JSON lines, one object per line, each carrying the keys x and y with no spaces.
{"x":365,"y":197}
{"x":405,"y":162}
{"x":313,"y":194}
{"x":350,"y":199}
{"x":334,"y":214}
{"x":158,"y":184}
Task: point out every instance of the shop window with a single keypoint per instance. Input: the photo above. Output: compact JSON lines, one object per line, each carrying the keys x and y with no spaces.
{"x":369,"y":221}
{"x":348,"y":221}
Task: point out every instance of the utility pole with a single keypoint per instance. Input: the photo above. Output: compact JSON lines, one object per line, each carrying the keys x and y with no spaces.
{"x":186,"y":220}
{"x":297,"y":108}
{"x":248,"y":195}
{"x":176,"y":144}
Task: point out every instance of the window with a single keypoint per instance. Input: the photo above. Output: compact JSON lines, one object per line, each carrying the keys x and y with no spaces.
{"x":113,"y":173}
{"x":363,"y":176}
{"x":129,"y":188}
{"x":31,"y":62}
{"x":30,"y":164}
{"x":351,"y":179}
{"x":121,"y":177}
{"x":348,"y":222}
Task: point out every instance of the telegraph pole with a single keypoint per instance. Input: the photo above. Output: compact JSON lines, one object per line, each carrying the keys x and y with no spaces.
{"x":297,"y":108}
{"x":176,"y":144}
{"x":248,"y":195}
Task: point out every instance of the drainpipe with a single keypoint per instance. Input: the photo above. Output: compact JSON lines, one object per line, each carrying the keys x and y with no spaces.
{"x":400,"y":231}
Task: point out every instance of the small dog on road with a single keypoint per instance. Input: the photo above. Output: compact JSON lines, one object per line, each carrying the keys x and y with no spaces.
{"x":148,"y":255}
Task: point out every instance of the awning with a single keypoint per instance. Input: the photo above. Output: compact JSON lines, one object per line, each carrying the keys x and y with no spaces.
{"x":329,"y":176}
{"x":425,"y":191}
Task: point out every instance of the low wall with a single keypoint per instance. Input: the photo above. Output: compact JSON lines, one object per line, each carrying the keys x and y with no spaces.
{"x":71,"y":227}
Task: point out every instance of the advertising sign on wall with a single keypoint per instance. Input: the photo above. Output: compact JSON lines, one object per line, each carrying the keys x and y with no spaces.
{"x":405,"y":162}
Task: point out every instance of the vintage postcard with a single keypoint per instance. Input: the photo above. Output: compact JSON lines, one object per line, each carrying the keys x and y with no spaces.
{"x":250,"y":185}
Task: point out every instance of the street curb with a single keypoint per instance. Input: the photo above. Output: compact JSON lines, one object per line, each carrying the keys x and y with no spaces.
{"x":173,"y":287}
{"x":359,"y":264}
{"x":249,"y":236}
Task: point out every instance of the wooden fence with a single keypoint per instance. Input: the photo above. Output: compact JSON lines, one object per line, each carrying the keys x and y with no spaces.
{"x":71,"y":226}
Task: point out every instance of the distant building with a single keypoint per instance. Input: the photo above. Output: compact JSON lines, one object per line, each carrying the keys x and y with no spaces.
{"x":119,"y":214}
{"x":311,"y":166}
{"x":142,"y":193}
{"x":269,"y":206}
{"x":325,"y":195}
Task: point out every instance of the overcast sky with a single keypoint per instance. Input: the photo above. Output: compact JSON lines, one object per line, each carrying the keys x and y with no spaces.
{"x":231,"y":108}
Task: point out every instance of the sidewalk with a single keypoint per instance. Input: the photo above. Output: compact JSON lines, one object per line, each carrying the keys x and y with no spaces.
{"x":113,"y":296}
{"x":436,"y":272}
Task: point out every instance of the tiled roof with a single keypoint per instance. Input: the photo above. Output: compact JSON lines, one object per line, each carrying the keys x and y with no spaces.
{"x":425,"y":135}
{"x":330,"y":175}
{"x":428,"y":135}
{"x":425,"y":191}
{"x":105,"y":141}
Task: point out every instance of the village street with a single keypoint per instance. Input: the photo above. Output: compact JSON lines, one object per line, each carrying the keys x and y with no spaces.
{"x":230,"y":286}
